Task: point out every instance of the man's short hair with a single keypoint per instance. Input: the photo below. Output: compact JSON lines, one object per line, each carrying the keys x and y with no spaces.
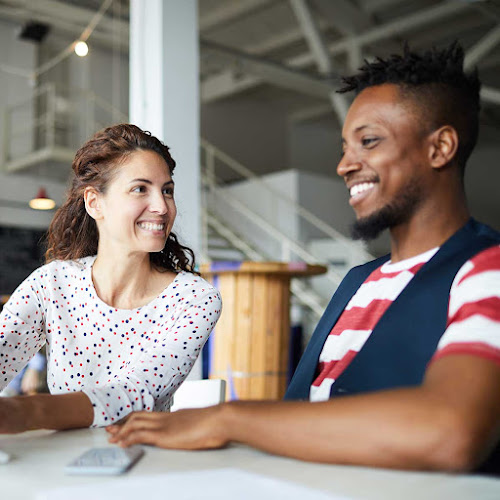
{"x":442,"y":92}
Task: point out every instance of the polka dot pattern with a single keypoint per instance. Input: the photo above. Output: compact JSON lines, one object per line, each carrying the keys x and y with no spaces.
{"x":123,"y":360}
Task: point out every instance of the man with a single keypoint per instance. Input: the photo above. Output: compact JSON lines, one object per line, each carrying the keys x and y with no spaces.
{"x":423,"y":391}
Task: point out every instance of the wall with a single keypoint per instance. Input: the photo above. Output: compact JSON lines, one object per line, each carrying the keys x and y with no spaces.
{"x":252,"y":132}
{"x":15,"y":193}
{"x":314,"y":146}
{"x":482,"y":178}
{"x":266,"y":205}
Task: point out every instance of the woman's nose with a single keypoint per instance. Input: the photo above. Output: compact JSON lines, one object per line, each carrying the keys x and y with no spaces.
{"x":159,"y":205}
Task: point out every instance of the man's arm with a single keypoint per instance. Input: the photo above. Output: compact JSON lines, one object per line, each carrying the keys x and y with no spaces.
{"x":449,"y":423}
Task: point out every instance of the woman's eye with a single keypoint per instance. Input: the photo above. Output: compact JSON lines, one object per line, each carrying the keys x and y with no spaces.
{"x":139,"y":189}
{"x":168,"y":191}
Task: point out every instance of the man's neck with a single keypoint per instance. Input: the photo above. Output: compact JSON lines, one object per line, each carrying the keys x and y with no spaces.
{"x":426,"y":230}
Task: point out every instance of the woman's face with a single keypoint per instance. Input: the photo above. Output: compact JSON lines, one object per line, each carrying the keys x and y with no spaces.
{"x":137,"y":212}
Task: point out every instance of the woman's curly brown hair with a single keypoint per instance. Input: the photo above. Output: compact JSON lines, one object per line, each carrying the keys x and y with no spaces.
{"x":73,"y":233}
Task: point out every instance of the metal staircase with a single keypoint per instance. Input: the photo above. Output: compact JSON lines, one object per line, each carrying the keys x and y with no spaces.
{"x":218,"y":227}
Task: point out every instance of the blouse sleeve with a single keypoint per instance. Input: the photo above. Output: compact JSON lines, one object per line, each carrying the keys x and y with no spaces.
{"x":150,"y":383}
{"x":22,"y":329}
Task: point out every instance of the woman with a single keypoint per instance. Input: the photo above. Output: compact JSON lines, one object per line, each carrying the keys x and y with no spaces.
{"x":117,"y":304}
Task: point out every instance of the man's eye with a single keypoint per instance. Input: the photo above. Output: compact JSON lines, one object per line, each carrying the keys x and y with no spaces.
{"x":369,"y":141}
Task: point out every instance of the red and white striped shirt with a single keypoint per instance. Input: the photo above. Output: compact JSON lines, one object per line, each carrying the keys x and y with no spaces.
{"x":473,"y":314}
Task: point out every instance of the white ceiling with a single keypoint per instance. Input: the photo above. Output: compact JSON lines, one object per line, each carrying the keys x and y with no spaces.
{"x":266,"y":46}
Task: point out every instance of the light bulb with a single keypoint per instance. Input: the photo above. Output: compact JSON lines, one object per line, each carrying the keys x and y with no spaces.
{"x":42,"y":204}
{"x":42,"y":201}
{"x":81,"y":49}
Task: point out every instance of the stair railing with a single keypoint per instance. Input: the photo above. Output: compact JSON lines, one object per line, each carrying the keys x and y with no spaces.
{"x":212,"y":153}
{"x":36,"y":120}
{"x":214,"y":186}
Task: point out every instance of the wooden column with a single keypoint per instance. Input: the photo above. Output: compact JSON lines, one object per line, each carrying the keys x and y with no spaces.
{"x":252,"y":338}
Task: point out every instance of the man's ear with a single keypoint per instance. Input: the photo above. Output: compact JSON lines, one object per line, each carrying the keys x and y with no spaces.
{"x":444,"y":146}
{"x":92,"y":201}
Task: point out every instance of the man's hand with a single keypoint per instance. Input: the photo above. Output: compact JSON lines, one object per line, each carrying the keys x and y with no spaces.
{"x":184,"y":429}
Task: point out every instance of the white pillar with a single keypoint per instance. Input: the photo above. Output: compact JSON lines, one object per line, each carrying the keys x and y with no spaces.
{"x":164,"y":96}
{"x":164,"y":99}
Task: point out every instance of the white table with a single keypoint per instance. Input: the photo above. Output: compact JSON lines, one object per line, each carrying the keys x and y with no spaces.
{"x":39,"y":457}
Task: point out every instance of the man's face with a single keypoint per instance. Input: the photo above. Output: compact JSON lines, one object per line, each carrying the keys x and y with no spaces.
{"x":385,"y":160}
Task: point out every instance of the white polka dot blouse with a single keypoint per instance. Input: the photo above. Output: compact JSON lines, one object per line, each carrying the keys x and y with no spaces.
{"x":123,"y":360}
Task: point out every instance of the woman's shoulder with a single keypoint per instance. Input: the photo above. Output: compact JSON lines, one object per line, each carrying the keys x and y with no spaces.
{"x":192,"y":286}
{"x":187,"y":279}
{"x":57,"y":269}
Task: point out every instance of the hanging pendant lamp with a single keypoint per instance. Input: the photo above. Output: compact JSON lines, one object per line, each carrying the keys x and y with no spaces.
{"x":42,"y":201}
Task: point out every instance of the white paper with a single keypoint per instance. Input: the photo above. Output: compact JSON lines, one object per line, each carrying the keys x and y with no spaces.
{"x":216,"y":484}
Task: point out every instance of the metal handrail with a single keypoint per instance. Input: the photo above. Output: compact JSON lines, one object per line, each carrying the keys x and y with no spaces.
{"x":49,"y":92}
{"x":272,"y":231}
{"x":213,"y":152}
{"x":302,"y":293}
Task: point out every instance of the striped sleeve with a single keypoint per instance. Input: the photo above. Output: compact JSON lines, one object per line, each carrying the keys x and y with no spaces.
{"x":474,"y":309}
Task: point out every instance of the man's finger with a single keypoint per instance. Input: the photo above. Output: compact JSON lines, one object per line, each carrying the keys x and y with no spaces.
{"x":138,"y":424}
{"x":138,"y":436}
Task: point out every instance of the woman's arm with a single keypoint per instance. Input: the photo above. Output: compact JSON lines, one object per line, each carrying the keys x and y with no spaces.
{"x":45,"y":411}
{"x":22,"y":328}
{"x":155,"y":376}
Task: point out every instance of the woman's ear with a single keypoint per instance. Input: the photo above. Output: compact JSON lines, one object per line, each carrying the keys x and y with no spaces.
{"x":444,"y":146}
{"x":92,"y":201}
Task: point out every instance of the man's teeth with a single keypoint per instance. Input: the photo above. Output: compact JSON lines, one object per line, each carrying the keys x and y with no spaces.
{"x":149,"y":226}
{"x":360,"y":188}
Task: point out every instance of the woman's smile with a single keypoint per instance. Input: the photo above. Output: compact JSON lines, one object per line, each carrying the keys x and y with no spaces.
{"x":153,"y":228}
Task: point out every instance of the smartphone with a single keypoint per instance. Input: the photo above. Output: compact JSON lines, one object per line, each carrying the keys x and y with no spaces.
{"x":105,"y":461}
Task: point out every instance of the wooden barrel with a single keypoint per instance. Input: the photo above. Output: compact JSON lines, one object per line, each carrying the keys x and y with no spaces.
{"x":250,"y":344}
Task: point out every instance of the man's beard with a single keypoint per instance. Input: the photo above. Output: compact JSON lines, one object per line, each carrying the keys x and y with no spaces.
{"x":397,"y":212}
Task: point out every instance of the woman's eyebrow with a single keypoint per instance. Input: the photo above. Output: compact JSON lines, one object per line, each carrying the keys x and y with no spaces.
{"x":147,"y":181}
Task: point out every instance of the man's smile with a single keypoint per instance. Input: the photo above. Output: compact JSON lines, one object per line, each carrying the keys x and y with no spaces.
{"x":360,"y":190}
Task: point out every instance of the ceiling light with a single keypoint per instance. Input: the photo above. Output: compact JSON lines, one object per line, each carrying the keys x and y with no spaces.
{"x":81,"y":48}
{"x":42,"y":201}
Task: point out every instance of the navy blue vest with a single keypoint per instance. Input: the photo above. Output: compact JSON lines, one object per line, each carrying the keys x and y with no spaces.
{"x":405,"y":338}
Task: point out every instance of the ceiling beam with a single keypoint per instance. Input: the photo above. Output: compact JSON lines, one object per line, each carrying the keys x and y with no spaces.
{"x":317,"y":46}
{"x":418,"y":19}
{"x":225,"y":83}
{"x":67,"y":19}
{"x":490,"y":94}
{"x":399,"y":26}
{"x":271,"y":72}
{"x":482,"y":47}
{"x":374,"y":6}
{"x":228,"y":82}
{"x":313,"y":35}
{"x":228,"y":12}
{"x":344,"y":16}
